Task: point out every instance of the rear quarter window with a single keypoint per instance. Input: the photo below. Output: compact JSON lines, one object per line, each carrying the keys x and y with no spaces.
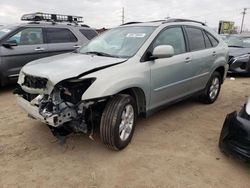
{"x":213,"y":40}
{"x":60,"y":35}
{"x":88,"y":33}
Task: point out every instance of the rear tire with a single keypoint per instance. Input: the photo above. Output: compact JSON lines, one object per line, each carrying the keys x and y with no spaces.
{"x":118,"y":122}
{"x":212,"y":90}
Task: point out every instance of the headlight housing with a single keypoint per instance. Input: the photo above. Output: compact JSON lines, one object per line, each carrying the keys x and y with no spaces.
{"x":73,"y":89}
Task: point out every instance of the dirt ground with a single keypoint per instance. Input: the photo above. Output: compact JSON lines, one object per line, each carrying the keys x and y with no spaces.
{"x":176,"y":147}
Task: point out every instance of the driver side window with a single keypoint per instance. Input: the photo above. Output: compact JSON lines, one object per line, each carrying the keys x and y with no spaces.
{"x":174,"y":37}
{"x":28,"y":36}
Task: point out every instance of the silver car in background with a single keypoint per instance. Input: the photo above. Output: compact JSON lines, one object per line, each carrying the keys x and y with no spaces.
{"x":38,"y":38}
{"x":126,"y":72}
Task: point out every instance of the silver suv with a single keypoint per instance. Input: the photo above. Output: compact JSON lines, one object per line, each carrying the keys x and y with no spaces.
{"x":126,"y":72}
{"x":40,"y":37}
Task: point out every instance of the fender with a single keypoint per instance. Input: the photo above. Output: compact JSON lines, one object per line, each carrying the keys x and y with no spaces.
{"x":112,"y":80}
{"x":220,"y":62}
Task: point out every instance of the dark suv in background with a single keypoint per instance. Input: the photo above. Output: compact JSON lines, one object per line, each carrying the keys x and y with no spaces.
{"x":42,"y":36}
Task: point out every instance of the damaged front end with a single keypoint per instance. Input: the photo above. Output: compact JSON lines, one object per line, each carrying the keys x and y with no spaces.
{"x":235,"y":134}
{"x":62,"y":109}
{"x":239,"y":64}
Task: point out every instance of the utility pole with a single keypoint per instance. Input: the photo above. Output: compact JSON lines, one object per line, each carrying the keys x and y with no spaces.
{"x":243,"y":18}
{"x":123,"y":17}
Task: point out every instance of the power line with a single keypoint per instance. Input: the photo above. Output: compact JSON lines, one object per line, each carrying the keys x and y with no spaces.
{"x":123,"y":17}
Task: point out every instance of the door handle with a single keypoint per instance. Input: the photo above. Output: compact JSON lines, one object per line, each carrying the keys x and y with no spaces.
{"x":38,"y":49}
{"x":214,"y":53}
{"x":188,"y":59}
{"x":77,"y":46}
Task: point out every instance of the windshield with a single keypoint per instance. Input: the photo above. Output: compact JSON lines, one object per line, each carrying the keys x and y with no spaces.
{"x":238,"y":41}
{"x":5,"y":30}
{"x":121,"y":42}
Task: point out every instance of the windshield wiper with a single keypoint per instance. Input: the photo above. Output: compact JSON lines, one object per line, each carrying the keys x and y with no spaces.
{"x":235,"y":46}
{"x":101,"y":54}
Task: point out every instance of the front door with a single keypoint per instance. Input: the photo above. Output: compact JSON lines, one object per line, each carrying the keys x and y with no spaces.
{"x":30,"y":46}
{"x":170,"y":77}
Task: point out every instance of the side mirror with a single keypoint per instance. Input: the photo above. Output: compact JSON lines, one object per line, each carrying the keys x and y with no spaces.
{"x":163,"y":51}
{"x":9,"y":44}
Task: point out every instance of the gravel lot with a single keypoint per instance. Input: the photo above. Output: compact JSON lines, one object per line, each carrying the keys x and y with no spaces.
{"x":176,"y":147}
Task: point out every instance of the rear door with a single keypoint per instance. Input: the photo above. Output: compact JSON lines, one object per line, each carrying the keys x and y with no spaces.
{"x":30,"y":46}
{"x":60,"y":40}
{"x":203,"y":57}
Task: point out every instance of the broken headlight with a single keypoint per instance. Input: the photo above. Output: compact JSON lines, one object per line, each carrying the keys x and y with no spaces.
{"x":35,"y":82}
{"x":72,"y":90}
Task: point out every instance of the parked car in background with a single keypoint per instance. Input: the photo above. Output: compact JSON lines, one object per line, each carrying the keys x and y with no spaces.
{"x":235,"y":134}
{"x":125,"y":72}
{"x":43,"y":36}
{"x":239,"y":53}
{"x":224,"y":36}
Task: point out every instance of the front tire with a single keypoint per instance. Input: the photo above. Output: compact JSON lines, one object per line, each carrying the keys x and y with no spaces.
{"x":212,"y":90}
{"x":118,"y":122}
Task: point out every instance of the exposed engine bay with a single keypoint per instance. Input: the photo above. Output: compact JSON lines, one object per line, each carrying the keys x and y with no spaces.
{"x":62,"y":110}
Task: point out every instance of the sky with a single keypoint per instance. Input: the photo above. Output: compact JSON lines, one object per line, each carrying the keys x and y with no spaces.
{"x":108,"y":13}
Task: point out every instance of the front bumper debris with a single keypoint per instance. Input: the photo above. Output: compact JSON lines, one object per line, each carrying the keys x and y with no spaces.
{"x":235,"y":134}
{"x":54,"y":120}
{"x":240,"y":66}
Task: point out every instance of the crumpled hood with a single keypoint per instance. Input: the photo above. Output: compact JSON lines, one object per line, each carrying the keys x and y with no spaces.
{"x":64,"y":66}
{"x":238,"y":51}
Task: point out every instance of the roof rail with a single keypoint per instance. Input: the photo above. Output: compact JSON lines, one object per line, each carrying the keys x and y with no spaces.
{"x":128,"y":23}
{"x":157,"y":21}
{"x":183,"y":20}
{"x":39,"y":16}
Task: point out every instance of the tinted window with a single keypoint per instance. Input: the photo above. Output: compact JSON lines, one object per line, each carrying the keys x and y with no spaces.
{"x":88,"y":33}
{"x":195,"y":38}
{"x":212,"y":39}
{"x":174,"y":37}
{"x":60,"y":35}
{"x":28,"y":36}
{"x":207,"y":41}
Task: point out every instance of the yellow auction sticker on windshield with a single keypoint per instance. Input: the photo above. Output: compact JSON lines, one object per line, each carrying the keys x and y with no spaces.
{"x":136,"y":35}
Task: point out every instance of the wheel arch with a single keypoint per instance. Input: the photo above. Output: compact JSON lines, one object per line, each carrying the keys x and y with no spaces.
{"x":221,"y":70}
{"x":139,"y":97}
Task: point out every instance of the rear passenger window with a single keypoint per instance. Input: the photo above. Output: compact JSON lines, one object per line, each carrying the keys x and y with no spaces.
{"x":60,"y":35}
{"x":174,"y":37}
{"x":88,"y":33}
{"x":212,"y":39}
{"x":195,"y":38}
{"x":207,"y":41}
